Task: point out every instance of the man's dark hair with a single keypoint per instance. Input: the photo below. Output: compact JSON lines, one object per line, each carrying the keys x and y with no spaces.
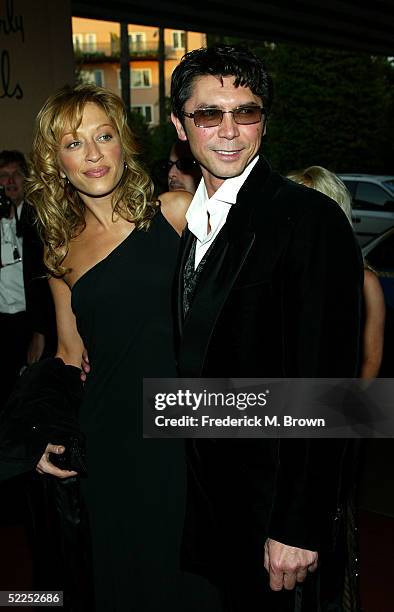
{"x":220,"y":61}
{"x":13,"y":157}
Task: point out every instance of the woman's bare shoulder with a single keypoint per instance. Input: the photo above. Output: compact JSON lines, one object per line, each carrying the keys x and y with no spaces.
{"x":174,"y":205}
{"x":371,"y":280}
{"x":175,"y":198}
{"x":373,"y":292}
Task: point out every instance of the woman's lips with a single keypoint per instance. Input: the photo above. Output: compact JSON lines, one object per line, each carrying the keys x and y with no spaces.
{"x":97,"y":172}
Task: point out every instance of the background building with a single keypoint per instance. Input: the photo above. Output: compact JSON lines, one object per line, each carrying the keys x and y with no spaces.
{"x":97,"y":51}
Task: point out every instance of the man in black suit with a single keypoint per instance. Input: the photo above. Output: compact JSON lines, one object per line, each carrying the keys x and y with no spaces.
{"x":26,"y":316}
{"x":269,"y":285}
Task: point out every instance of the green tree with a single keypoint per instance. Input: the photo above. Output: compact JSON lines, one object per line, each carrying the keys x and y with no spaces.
{"x":153,"y":145}
{"x":141,"y":133}
{"x":331,"y":108}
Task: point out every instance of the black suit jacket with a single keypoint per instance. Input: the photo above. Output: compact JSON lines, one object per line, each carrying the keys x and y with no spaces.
{"x":279,"y":296}
{"x":39,"y":303}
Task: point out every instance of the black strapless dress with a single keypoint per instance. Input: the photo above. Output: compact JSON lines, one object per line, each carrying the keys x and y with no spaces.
{"x":135,"y":487}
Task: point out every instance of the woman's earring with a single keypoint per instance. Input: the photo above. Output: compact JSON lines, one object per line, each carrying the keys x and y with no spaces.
{"x":125,"y":166}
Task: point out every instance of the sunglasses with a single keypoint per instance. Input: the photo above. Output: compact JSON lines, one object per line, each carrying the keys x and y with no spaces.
{"x":212,"y":117}
{"x":184,"y":164}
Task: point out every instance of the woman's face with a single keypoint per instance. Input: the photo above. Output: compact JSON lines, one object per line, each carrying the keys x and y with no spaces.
{"x":92,"y":159}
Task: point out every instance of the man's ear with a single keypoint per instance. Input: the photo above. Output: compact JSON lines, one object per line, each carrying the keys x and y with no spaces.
{"x":179,"y":127}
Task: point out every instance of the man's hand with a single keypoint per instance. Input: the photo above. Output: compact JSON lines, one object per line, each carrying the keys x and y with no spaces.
{"x":44,"y":466}
{"x":287,"y":565}
{"x":85,"y":367}
{"x":36,"y":348}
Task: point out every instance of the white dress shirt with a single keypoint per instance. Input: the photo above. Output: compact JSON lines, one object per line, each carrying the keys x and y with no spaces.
{"x":12,"y":290}
{"x":215,"y":209}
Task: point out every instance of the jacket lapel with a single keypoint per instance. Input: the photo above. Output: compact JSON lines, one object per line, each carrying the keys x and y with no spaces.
{"x":217,"y":278}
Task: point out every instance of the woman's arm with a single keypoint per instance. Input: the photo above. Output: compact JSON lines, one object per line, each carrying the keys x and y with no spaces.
{"x":69,"y":344}
{"x":69,"y":349}
{"x":373,"y":332}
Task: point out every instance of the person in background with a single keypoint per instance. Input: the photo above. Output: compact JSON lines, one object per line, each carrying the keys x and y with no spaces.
{"x":373,"y":313}
{"x":184,"y":173}
{"x":180,"y":172}
{"x":25,"y":301}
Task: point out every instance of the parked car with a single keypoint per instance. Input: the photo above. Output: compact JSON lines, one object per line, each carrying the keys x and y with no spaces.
{"x":379,"y":253}
{"x":373,"y":204}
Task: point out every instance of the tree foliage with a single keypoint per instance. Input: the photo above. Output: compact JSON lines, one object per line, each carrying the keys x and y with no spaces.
{"x":331,"y":108}
{"x":153,"y":144}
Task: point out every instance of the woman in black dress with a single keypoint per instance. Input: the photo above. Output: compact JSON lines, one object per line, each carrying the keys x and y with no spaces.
{"x":111,"y":252}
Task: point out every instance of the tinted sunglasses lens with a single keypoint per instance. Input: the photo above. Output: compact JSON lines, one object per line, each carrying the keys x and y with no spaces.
{"x":248,"y":115}
{"x":209,"y":117}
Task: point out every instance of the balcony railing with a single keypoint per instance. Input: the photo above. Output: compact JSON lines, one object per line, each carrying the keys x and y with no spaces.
{"x":108,"y":51}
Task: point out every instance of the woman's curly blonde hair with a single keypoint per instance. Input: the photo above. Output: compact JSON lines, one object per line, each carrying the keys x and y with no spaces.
{"x":326,"y":182}
{"x":60,"y":210}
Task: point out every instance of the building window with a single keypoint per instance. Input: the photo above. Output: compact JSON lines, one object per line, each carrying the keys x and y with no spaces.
{"x":93,"y":76}
{"x":141,"y":78}
{"x":85,"y":42}
{"x":178,"y":40}
{"x":137,"y":41}
{"x":78,"y":42}
{"x":90,"y":43}
{"x":145,"y":111}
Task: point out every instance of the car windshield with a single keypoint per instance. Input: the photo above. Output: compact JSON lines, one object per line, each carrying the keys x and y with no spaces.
{"x":390,"y":185}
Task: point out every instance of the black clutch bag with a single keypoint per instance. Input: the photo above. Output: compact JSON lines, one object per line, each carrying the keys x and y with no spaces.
{"x":74,"y":456}
{"x":42,"y":408}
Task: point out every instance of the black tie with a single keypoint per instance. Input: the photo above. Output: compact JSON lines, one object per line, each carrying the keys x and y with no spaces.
{"x":189,"y":279}
{"x":191,"y":276}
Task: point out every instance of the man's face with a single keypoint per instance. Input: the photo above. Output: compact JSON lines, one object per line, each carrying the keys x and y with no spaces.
{"x":223,"y":151}
{"x":11,"y":177}
{"x":186,"y":177}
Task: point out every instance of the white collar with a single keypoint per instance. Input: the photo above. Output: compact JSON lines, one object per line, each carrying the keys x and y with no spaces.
{"x":18,"y":213}
{"x":228,"y":190}
{"x":217,"y":206}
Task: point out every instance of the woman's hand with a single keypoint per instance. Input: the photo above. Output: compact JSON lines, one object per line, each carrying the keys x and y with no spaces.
{"x":85,"y":366}
{"x":44,"y":466}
